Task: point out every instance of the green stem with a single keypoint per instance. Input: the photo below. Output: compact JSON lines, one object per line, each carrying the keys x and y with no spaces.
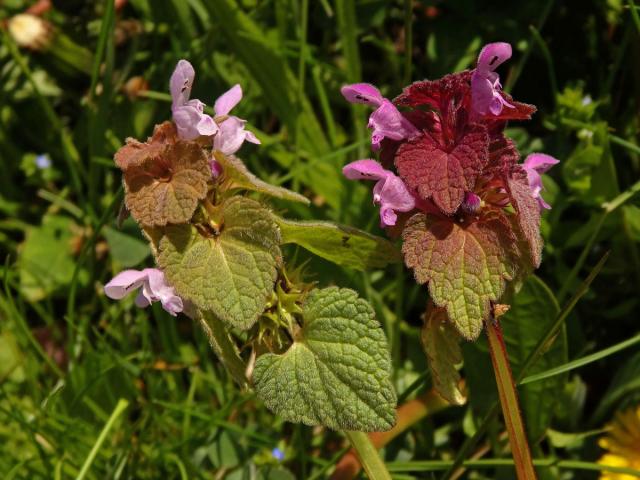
{"x":369,"y":458}
{"x":224,"y":347}
{"x":121,"y":406}
{"x":509,"y":401}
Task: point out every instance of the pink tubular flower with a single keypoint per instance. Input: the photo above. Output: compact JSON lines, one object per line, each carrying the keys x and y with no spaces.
{"x":232,"y":133}
{"x":485,"y":82}
{"x":386,"y":121}
{"x":535,"y":165}
{"x":154,"y":288}
{"x":188,"y":114}
{"x":390,"y":192}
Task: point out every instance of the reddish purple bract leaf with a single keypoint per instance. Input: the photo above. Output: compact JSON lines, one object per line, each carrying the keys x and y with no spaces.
{"x":441,"y":174}
{"x":528,"y":213}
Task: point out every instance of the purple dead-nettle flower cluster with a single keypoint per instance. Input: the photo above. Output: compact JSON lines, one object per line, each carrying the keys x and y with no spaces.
{"x":227,"y":134}
{"x":486,"y":103}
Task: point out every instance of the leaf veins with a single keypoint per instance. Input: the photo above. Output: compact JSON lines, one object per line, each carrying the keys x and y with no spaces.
{"x":465,"y":264}
{"x":441,"y":173}
{"x":528,"y":213}
{"x":441,"y":343}
{"x":164,"y":178}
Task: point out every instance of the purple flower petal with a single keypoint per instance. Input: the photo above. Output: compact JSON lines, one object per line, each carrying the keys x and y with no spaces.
{"x":187,"y":119}
{"x":492,"y":56}
{"x":188,"y":115}
{"x":365,"y":170}
{"x":181,"y":82}
{"x":540,"y":162}
{"x":535,"y":165}
{"x":154,"y":288}
{"x":231,"y":136}
{"x":485,"y":82}
{"x":390,"y":192}
{"x":206,"y":126}
{"x":228,"y":100}
{"x":387,"y":122}
{"x":163,"y":292}
{"x":124,"y":283}
{"x":362,"y":93}
{"x":141,"y":300}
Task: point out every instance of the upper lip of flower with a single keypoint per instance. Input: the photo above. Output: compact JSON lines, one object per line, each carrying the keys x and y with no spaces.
{"x":485,"y":82}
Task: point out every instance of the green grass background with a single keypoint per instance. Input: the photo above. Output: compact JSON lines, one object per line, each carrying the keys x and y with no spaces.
{"x":91,"y":388}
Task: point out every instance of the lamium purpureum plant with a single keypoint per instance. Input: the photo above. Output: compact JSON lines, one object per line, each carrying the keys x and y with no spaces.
{"x":313,"y":355}
{"x":451,"y":185}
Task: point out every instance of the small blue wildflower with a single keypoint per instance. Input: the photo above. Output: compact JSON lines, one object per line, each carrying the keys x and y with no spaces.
{"x":277,"y":454}
{"x":43,"y":161}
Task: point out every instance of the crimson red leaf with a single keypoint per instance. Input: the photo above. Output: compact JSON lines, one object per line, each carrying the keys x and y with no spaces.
{"x":503,"y":155}
{"x":443,"y":173}
{"x":436,"y":93}
{"x":466,"y":263}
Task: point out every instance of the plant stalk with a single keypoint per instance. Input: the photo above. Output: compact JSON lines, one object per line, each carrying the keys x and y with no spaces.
{"x":368,"y":454}
{"x":509,"y":402}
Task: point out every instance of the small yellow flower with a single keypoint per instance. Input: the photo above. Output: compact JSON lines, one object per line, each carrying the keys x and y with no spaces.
{"x":622,"y":444}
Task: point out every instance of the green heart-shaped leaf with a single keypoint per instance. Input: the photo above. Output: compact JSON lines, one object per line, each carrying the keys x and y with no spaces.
{"x":337,"y":372}
{"x":231,"y":273}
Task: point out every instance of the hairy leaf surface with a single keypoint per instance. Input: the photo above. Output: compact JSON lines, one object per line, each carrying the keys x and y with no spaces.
{"x":337,"y":372}
{"x":528,"y":213}
{"x":466,"y":264}
{"x":165,"y":187}
{"x":232,"y":273}
{"x":441,"y":343}
{"x":442,"y":173}
{"x":345,"y":246}
{"x":240,"y":177}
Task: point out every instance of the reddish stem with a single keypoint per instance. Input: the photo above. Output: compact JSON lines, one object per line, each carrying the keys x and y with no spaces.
{"x":509,"y":402}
